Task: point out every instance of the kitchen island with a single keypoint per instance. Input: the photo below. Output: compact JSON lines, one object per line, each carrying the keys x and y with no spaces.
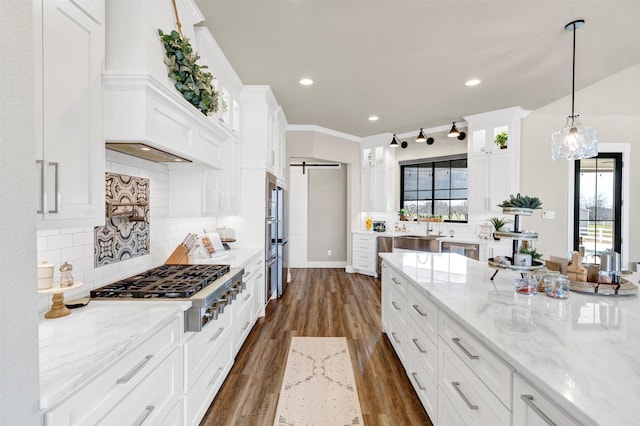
{"x":580,"y":353}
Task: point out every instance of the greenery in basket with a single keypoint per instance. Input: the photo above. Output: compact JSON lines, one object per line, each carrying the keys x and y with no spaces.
{"x":499,"y":222}
{"x":501,"y":140}
{"x":522,"y":202}
{"x":532,"y":251}
{"x":191,"y":79}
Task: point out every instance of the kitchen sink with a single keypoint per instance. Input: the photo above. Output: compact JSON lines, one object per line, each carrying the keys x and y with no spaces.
{"x":417,"y":242}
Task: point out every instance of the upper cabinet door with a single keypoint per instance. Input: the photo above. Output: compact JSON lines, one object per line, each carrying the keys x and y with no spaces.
{"x":70,"y":146}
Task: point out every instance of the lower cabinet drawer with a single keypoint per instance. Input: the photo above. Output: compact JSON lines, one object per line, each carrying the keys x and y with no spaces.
{"x":473,"y":401}
{"x":447,"y":414}
{"x":489,"y":367}
{"x":364,"y":263}
{"x":174,"y":418}
{"x":426,"y":388}
{"x":423,"y":311}
{"x":151,"y":401}
{"x":197,"y":401}
{"x":398,"y":337}
{"x":201,"y":346}
{"x":531,"y":407}
{"x":242,"y":323}
{"x":423,"y":350}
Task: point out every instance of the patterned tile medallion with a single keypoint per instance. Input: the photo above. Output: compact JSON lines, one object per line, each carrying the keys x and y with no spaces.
{"x":122,"y":238}
{"x":318,"y":386}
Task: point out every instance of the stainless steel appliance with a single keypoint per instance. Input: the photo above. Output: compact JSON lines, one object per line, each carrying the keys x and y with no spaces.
{"x":469,"y":250}
{"x":383,"y":245}
{"x":210,"y":288}
{"x":276,"y":239}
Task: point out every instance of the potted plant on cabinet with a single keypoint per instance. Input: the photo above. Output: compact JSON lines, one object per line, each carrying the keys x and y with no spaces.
{"x":501,"y":140}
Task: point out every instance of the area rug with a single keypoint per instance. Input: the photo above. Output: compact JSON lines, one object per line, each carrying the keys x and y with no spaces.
{"x":319,"y":387}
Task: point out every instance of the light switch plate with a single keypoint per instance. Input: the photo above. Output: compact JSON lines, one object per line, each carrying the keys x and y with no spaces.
{"x":548,"y":214}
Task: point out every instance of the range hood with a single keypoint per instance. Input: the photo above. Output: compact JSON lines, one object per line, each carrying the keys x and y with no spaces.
{"x":142,"y":108}
{"x":146,"y":152}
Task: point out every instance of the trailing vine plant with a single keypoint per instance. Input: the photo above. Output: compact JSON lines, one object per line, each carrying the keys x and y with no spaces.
{"x":191,"y":79}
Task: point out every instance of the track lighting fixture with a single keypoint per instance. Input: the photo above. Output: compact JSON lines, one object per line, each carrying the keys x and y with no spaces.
{"x":574,"y":141}
{"x":394,"y":142}
{"x":421,"y":137}
{"x":453,"y":133}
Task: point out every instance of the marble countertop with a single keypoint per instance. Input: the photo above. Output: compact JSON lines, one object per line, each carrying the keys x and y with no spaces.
{"x":468,"y":239}
{"x":236,"y":257}
{"x":583,"y":352}
{"x":76,"y":347}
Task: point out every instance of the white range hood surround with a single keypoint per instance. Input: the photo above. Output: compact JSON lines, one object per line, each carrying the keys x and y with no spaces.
{"x":141,"y":103}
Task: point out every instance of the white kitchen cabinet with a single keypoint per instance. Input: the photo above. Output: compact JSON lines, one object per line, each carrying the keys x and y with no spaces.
{"x":532,"y":408}
{"x":68,"y":43}
{"x":263,"y":129}
{"x":493,"y":173}
{"x":364,"y":257}
{"x":254,"y":274}
{"x":470,"y":397}
{"x":376,"y":180}
{"x":144,"y":382}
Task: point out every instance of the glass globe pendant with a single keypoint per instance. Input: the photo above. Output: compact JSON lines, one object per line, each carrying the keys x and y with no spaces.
{"x":574,"y":141}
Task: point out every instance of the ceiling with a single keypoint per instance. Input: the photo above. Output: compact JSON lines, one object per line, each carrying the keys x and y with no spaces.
{"x":407,"y":61}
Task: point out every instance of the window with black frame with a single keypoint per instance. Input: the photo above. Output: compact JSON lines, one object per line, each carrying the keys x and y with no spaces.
{"x":598,"y":205}
{"x":435,"y":188}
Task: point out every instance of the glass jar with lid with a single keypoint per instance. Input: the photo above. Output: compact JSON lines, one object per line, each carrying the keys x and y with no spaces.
{"x":556,"y":286}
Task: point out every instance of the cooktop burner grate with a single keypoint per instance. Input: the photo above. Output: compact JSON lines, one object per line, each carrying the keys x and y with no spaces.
{"x":166,"y":281}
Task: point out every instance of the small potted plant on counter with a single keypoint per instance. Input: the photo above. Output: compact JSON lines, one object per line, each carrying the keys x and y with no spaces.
{"x":520,"y":204}
{"x":402,"y":213}
{"x":501,"y":140}
{"x":423,"y":217}
{"x":498,"y":223}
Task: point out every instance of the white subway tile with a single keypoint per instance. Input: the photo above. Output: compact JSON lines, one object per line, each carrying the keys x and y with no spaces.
{"x":83,"y":238}
{"x":48,"y":232}
{"x":41,"y":244}
{"x":72,"y":254}
{"x":59,"y":241}
{"x":70,"y":231}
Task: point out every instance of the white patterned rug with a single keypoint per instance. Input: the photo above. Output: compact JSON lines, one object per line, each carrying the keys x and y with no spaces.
{"x":318,"y":388}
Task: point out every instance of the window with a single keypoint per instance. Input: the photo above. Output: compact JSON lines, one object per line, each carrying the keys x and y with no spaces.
{"x":598,"y":205}
{"x":435,"y":188}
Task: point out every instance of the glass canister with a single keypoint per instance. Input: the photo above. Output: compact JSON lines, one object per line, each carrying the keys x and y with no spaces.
{"x":66,"y":279}
{"x":557,"y":286}
{"x":527,"y":286}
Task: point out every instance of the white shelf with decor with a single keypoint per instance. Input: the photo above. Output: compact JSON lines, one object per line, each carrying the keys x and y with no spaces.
{"x":493,"y":164}
{"x":377,"y":176}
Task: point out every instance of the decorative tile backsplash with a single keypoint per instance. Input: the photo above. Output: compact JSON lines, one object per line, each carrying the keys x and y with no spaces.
{"x":126,"y":233}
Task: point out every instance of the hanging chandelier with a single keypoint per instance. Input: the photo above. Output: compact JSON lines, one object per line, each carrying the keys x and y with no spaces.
{"x":575,"y":140}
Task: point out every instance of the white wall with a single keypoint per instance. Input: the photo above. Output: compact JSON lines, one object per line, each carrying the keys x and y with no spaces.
{"x":612,"y":107}
{"x":76,"y":245}
{"x":19,"y":372}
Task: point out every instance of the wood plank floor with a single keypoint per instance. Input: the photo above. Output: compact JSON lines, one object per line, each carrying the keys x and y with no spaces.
{"x":319,"y":302}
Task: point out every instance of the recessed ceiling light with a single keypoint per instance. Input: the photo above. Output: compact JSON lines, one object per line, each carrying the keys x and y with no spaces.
{"x":472,"y":82}
{"x":374,"y":118}
{"x":306,"y":81}
{"x":145,"y":148}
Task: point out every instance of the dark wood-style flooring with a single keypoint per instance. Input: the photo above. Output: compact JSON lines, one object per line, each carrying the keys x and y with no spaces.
{"x":319,"y":302}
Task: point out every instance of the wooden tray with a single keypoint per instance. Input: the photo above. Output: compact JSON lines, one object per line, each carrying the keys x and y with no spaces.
{"x":625,"y":288}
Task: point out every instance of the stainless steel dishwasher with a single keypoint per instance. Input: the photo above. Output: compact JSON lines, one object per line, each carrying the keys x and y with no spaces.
{"x":384,"y":245}
{"x":470,"y":250}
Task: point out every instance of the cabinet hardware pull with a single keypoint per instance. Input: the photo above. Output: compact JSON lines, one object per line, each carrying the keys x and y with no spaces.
{"x":215,"y":377}
{"x":394,"y":337}
{"x":146,"y":413}
{"x":259,"y":276}
{"x":415,"y":377}
{"x":245,"y":326}
{"x":134,"y":370}
{"x":456,"y":386}
{"x":395,"y":281}
{"x":417,"y":308}
{"x":56,"y":189}
{"x":415,"y":342}
{"x":528,"y":399}
{"x":247,"y":298}
{"x":216,"y":335}
{"x":456,"y":340}
{"x":395,"y":305}
{"x":41,"y":163}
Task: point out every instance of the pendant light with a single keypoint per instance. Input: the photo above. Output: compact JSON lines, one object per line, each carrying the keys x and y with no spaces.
{"x":394,"y":142}
{"x":575,"y":140}
{"x":453,"y":133}
{"x":421,"y":137}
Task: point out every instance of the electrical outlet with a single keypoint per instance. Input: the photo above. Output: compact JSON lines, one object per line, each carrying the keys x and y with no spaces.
{"x":329,"y":252}
{"x":548,"y":214}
